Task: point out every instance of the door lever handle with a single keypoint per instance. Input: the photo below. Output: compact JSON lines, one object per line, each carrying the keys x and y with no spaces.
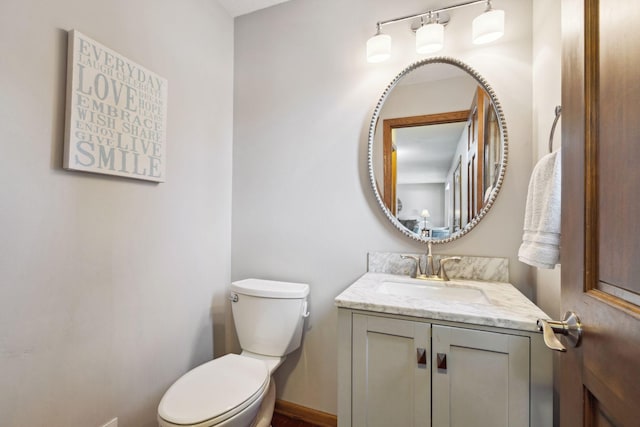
{"x":570,"y":327}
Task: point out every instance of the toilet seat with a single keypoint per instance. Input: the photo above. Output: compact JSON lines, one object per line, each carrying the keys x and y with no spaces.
{"x":214,"y":392}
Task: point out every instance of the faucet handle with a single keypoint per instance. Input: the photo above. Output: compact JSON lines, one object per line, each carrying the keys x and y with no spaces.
{"x":417,"y":261}
{"x":442,"y":273}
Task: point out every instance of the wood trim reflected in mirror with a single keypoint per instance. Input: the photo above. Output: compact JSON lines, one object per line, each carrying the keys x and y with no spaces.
{"x":457,"y":196}
{"x":390,"y":171}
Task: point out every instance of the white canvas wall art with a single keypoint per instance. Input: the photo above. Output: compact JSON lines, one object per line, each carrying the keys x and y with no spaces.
{"x":116,"y":113}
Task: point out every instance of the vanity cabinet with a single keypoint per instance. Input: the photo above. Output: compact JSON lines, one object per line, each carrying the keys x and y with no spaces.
{"x":479,"y":378}
{"x":401,"y":371}
{"x":391,"y":378}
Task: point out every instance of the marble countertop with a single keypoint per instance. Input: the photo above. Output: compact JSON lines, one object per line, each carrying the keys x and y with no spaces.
{"x":507,"y":307}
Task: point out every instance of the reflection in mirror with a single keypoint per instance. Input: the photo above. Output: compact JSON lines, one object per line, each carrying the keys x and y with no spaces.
{"x":437,"y":150}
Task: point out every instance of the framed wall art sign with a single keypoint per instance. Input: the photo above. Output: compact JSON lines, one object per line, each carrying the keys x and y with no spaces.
{"x":116,"y":113}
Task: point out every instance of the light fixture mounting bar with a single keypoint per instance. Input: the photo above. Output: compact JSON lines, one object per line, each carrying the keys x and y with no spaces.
{"x":379,"y":24}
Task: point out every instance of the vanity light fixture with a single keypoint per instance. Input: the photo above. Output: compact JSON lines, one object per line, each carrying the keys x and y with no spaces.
{"x":430,"y":37}
{"x":379,"y":47}
{"x":487,"y":27}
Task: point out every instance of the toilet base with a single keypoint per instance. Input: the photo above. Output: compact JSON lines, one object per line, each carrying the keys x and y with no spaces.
{"x":265,"y":413}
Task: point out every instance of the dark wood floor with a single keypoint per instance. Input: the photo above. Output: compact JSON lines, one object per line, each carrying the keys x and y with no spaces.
{"x":283,"y":421}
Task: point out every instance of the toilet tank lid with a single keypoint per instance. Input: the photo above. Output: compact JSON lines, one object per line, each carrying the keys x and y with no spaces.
{"x":270,"y":288}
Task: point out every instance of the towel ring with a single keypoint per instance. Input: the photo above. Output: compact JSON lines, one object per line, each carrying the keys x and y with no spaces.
{"x":553,"y":127}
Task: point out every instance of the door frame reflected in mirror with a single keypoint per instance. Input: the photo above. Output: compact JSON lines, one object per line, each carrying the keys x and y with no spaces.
{"x":390,"y":171}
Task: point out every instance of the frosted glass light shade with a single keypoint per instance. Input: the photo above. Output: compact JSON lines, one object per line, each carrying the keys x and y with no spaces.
{"x":488,"y":27}
{"x":430,"y":38}
{"x":379,"y":48}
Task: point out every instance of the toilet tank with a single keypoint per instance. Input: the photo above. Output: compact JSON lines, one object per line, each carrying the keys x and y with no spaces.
{"x":269,"y":315}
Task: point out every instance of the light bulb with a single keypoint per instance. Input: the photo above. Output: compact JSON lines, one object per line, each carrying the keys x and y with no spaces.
{"x":430,"y":38}
{"x":488,"y":27}
{"x":379,"y":48}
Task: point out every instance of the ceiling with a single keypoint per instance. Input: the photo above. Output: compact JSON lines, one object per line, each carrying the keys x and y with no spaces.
{"x":426,"y":153}
{"x":242,"y":7}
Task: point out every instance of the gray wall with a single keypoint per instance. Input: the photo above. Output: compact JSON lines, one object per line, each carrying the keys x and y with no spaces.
{"x":107,"y":284}
{"x":547,"y":76}
{"x":302,"y":205}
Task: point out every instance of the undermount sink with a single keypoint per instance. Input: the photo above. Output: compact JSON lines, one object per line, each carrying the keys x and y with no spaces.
{"x":433,"y":290}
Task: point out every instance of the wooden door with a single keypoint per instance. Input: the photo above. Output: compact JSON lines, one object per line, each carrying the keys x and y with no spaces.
{"x":599,"y":381}
{"x":391,"y":386}
{"x":484,"y":381}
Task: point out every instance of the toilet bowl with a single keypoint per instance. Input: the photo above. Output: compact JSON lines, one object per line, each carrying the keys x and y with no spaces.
{"x":238,"y":390}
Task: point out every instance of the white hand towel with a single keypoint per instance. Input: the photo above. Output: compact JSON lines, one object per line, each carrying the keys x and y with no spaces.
{"x":541,"y":237}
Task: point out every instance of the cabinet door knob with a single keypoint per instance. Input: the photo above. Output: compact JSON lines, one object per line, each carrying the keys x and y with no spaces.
{"x":421,"y":356}
{"x":442,"y":361}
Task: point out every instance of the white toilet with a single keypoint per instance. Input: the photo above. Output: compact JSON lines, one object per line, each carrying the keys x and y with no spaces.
{"x":237,"y":390}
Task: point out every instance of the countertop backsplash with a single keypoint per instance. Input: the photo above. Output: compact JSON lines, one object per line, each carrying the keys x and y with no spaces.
{"x":469,"y":267}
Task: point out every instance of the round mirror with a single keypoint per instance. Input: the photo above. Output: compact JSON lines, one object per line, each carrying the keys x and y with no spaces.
{"x":437,"y":150}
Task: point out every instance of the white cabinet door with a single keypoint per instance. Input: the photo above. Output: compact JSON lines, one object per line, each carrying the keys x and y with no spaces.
{"x":391,"y":384}
{"x":485,"y":382}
